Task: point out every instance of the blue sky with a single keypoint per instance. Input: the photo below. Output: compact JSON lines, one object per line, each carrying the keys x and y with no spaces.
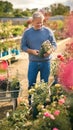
{"x":23,"y":4}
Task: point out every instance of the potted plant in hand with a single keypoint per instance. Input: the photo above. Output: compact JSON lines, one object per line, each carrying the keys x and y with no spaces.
{"x":45,"y":47}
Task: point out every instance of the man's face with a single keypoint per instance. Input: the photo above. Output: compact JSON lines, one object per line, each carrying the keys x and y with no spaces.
{"x":37,"y":23}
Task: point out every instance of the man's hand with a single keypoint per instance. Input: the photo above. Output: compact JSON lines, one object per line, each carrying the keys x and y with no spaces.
{"x":48,"y":52}
{"x":34,"y":52}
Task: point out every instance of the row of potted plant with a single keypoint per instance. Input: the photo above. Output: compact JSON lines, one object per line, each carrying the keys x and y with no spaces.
{"x":10,"y":51}
{"x":9,"y":47}
{"x":8,"y":30}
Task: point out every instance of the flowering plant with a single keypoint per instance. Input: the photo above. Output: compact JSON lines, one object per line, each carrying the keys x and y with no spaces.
{"x":52,"y":112}
{"x":3,"y":66}
{"x":39,"y":93}
{"x":65,"y":70}
{"x":45,"y":47}
{"x":68,"y":53}
{"x":66,"y":76}
{"x":55,"y":64}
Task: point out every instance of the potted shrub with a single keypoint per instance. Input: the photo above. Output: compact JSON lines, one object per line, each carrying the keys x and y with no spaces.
{"x":5,"y":50}
{"x":15,"y":87}
{"x":39,"y":93}
{"x":46,"y":46}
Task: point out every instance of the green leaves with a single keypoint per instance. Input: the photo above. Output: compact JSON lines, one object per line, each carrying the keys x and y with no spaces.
{"x":45,"y":47}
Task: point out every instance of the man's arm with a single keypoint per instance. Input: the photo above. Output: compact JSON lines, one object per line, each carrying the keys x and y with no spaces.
{"x":24,"y":46}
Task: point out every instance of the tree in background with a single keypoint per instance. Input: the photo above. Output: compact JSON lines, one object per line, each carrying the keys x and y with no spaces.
{"x":17,"y":13}
{"x":59,"y":9}
{"x":6,"y":8}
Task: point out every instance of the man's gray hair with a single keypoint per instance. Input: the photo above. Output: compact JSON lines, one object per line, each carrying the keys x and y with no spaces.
{"x":38,"y":15}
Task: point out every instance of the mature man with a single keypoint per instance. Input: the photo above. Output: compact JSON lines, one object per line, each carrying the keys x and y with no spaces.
{"x":31,"y":42}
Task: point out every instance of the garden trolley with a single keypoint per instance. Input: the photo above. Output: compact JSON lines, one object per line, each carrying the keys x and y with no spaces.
{"x":9,"y":89}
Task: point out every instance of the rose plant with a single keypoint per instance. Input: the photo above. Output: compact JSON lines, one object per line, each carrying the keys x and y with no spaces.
{"x":56,"y":63}
{"x":52,"y":114}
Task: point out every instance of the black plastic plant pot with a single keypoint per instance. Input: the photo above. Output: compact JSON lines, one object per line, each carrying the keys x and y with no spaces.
{"x":34,"y":111}
{"x":3,"y":84}
{"x":15,"y":93}
{"x":15,"y":88}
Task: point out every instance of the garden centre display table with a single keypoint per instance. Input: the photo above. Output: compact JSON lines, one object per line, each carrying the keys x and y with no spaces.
{"x":10,"y":58}
{"x":6,"y":93}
